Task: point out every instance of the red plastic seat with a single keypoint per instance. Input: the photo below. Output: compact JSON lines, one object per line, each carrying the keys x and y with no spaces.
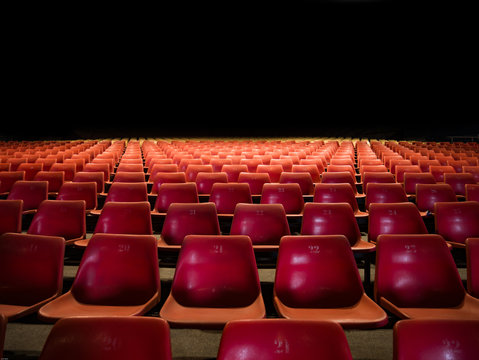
{"x":337,"y":193}
{"x":472,"y":169}
{"x":334,"y":219}
{"x":206,"y":180}
{"x":125,"y":167}
{"x":385,"y":193}
{"x":255,"y":181}
{"x":226,"y":196}
{"x":80,"y":191}
{"x":304,"y":180}
{"x":8,"y":178}
{"x":274,"y":171}
{"x":438,"y":171}
{"x":99,"y":167}
{"x":31,"y":169}
{"x":122,"y":338}
{"x":428,"y":194}
{"x":288,"y":195}
{"x":127,"y":192}
{"x":216,"y":280}
{"x":91,"y":176}
{"x":402,"y":170}
{"x":68,"y":169}
{"x":265,"y":224}
{"x":377,"y":177}
{"x":287,"y":164}
{"x":169,"y":193}
{"x":271,"y":339}
{"x":412,"y":179}
{"x":184,"y":219}
{"x":232,"y":171}
{"x":422,"y":339}
{"x":55,"y":180}
{"x":394,"y":218}
{"x":472,"y":256}
{"x":457,"y":221}
{"x":166,"y":177}
{"x":11,"y":216}
{"x":381,"y":169}
{"x":341,"y":177}
{"x":31,"y":192}
{"x":252,"y":164}
{"x":458,"y":182}
{"x":416,"y":278}
{"x":31,"y":272}
{"x":193,"y":170}
{"x":118,"y":276}
{"x":129,"y":177}
{"x":312,"y":169}
{"x":426,"y":164}
{"x":317,"y":279}
{"x":457,"y":164}
{"x":472,"y":192}
{"x":162,"y":168}
{"x":65,"y":218}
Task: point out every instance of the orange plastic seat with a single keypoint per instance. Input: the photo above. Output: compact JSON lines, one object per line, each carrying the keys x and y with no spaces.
{"x":385,"y":193}
{"x":394,"y":218}
{"x":417,"y":278}
{"x":226,"y":196}
{"x":265,"y":224}
{"x":456,"y":221}
{"x":421,"y":339}
{"x":337,"y":193}
{"x":216,"y":281}
{"x":11,"y":216}
{"x":80,"y":191}
{"x":288,"y":195}
{"x":184,"y":219}
{"x":412,"y":179}
{"x":458,"y":182}
{"x":122,"y":338}
{"x":317,"y":279}
{"x":31,"y":192}
{"x":472,"y":256}
{"x":271,"y":339}
{"x":118,"y":276}
{"x":428,"y":194}
{"x":65,"y":218}
{"x":169,"y":193}
{"x":31,"y":272}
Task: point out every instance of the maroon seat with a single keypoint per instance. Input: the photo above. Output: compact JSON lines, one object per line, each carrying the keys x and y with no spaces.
{"x":458,"y":182}
{"x":8,"y":178}
{"x":271,"y":339}
{"x":91,"y":176}
{"x":206,"y":180}
{"x":118,"y":276}
{"x":428,"y":194}
{"x":288,"y":195}
{"x":122,"y":337}
{"x":457,"y":221}
{"x":402,"y":170}
{"x":31,"y":169}
{"x":438,"y":171}
{"x":416,"y":277}
{"x":169,"y":193}
{"x":472,"y":256}
{"x":226,"y":196}
{"x":317,"y":279}
{"x":165,"y":177}
{"x":341,"y":177}
{"x":193,"y":170}
{"x":265,"y":224}
{"x":11,"y":216}
{"x":31,"y":272}
{"x":412,"y":179}
{"x":472,"y":192}
{"x":380,"y":193}
{"x":216,"y":280}
{"x":377,"y":177}
{"x":31,"y":192}
{"x":80,"y":191}
{"x":422,"y":339}
{"x":55,"y":180}
{"x":394,"y":218}
{"x":65,"y":218}
{"x":68,"y":169}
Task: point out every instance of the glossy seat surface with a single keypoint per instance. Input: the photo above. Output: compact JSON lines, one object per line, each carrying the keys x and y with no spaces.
{"x":457,"y":221}
{"x":288,"y":195}
{"x":11,"y":216}
{"x":80,"y":191}
{"x":428,"y":194}
{"x":472,"y":256}
{"x":169,"y":193}
{"x":385,"y":193}
{"x":226,"y":196}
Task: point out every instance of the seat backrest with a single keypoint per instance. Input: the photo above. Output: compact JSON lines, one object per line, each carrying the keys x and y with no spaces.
{"x":286,"y":339}
{"x":206,"y":180}
{"x":472,"y":256}
{"x":339,"y":177}
{"x":335,"y":193}
{"x":417,"y":271}
{"x":451,"y":339}
{"x":99,"y":167}
{"x":8,"y":178}
{"x":385,"y":193}
{"x":265,"y":224}
{"x":472,"y":169}
{"x":303,"y":179}
{"x":255,"y":181}
{"x":127,"y":192}
{"x":394,"y":218}
{"x":131,"y":337}
{"x":66,"y":218}
{"x":193,"y":170}
{"x":68,"y":169}
{"x":457,"y":221}
{"x":226,"y":196}
{"x":79,"y":191}
{"x":55,"y":179}
{"x":428,"y":194}
{"x":89,"y":176}
{"x":165,"y":177}
{"x":189,"y":219}
{"x":412,"y":179}
{"x":472,"y":192}
{"x":32,"y":193}
{"x":312,"y":169}
{"x":125,"y":218}
{"x":274,"y":171}
{"x":438,"y":171}
{"x":376,"y":177}
{"x":125,"y":167}
{"x":216,"y":271}
{"x":118,"y":270}
{"x":317,"y":272}
{"x":330,"y":219}
{"x":169,"y":193}
{"x":232,"y":171}
{"x":30,"y":169}
{"x":11,"y":216}
{"x":31,"y":268}
{"x":458,"y":181}
{"x":129,"y":177}
{"x":288,"y":195}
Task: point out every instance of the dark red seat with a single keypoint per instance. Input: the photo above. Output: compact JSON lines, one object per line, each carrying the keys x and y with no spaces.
{"x":458,"y":182}
{"x":118,"y":276}
{"x":255,"y":181}
{"x":80,"y":191}
{"x":438,"y":171}
{"x":380,"y":193}
{"x":377,"y":177}
{"x":341,"y":177}
{"x":206,"y":180}
{"x":226,"y":196}
{"x":91,"y":176}
{"x":274,"y":171}
{"x":472,"y":192}
{"x":317,"y":279}
{"x":271,"y":339}
{"x":416,"y":277}
{"x":428,"y":194}
{"x":421,"y":339}
{"x":288,"y":195}
{"x":216,"y":280}
{"x":169,"y":193}
{"x":31,"y":272}
{"x":303,"y":179}
{"x":165,"y":177}
{"x":412,"y":179}
{"x":472,"y":256}
{"x":8,"y":178}
{"x":11,"y":216}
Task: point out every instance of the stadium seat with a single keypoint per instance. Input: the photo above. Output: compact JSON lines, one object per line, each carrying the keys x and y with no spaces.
{"x":31,"y":169}
{"x":32,"y":193}
{"x":304,"y":180}
{"x":184,"y":219}
{"x":394,"y":218}
{"x":416,"y":278}
{"x":274,"y":171}
{"x":472,"y":169}
{"x":68,"y":169}
{"x":129,"y":177}
{"x":337,"y":193}
{"x":472,"y":264}
{"x":122,"y":337}
{"x":169,"y":193}
{"x":341,"y":177}
{"x":458,"y":182}
{"x":438,"y":171}
{"x":456,"y":221}
{"x":265,"y":224}
{"x":232,"y":171}
{"x":376,"y":177}
{"x":381,"y":193}
{"x":11,"y":216}
{"x":99,"y":167}
{"x":317,"y":279}
{"x":428,"y":194}
{"x":205,"y":180}
{"x":193,"y":170}
{"x":426,"y":164}
{"x":288,"y":195}
{"x":216,"y":281}
{"x":127,"y":192}
{"x":8,"y":178}
{"x":31,"y":272}
{"x":117,"y":276}
{"x":80,"y":191}
{"x":255,"y":181}
{"x":402,"y":170}
{"x":472,"y":192}
{"x":226,"y":196}
{"x":165,"y":177}
{"x":65,"y":218}
{"x":125,"y":167}
{"x":435,"y":339}
{"x":89,"y":176}
{"x":285,"y":339}
{"x":412,"y":179}
{"x":55,"y":180}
